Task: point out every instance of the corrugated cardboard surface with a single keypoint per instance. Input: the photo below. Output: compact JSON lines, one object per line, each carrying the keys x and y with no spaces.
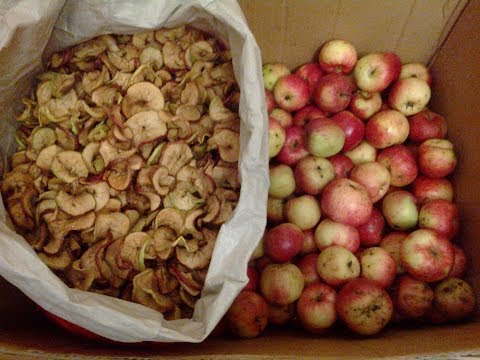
{"x":456,"y":70}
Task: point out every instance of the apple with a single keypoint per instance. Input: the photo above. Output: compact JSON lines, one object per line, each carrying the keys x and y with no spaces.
{"x":291,"y":92}
{"x":333,"y":92}
{"x":294,"y":148}
{"x":455,"y":298}
{"x":352,"y":126}
{"x":409,"y":95}
{"x":307,"y":113}
{"x":313,"y":173}
{"x":376,"y":71}
{"x":270,"y":101}
{"x":308,"y":266}
{"x":281,"y":284}
{"x":426,"y":255}
{"x":436,"y":158}
{"x":363,"y":152}
{"x":283,"y":117}
{"x":248,"y":315}
{"x":425,"y":189}
{"x":262,"y":262}
{"x":282,"y":181}
{"x":303,"y":211}
{"x":275,"y":213}
{"x":311,"y":73}
{"x":386,"y":128}
{"x":337,"y":56}
{"x":309,"y":244}
{"x":272,"y":72}
{"x":371,"y":232}
{"x":323,"y":137}
{"x":364,"y":306}
{"x":374,"y":176}
{"x":283,"y":242}
{"x":329,"y":233}
{"x":336,"y":265}
{"x":427,"y":125}
{"x":342,"y":165}
{"x":416,"y":70}
{"x":400,"y":163}
{"x":400,"y":210}
{"x":435,"y":316}
{"x":459,"y":263}
{"x":412,"y":297}
{"x":440,"y":215}
{"x":280,"y":315}
{"x":346,"y":201}
{"x":253,"y":278}
{"x":392,"y":243}
{"x":364,"y":104}
{"x":316,"y":308}
{"x":276,"y":137}
{"x":378,"y":265}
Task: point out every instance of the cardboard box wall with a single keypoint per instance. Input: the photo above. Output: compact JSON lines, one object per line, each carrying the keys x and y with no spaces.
{"x":441,"y":32}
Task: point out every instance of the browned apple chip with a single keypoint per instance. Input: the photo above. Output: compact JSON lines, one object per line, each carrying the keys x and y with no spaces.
{"x":127,"y":165}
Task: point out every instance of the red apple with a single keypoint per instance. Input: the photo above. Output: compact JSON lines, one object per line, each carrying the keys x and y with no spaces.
{"x":409,"y":95}
{"x":313,"y":173}
{"x":364,"y":306}
{"x":275,"y":214}
{"x":303,"y":211}
{"x":262,"y":262}
{"x":416,"y":70}
{"x":307,"y":113}
{"x":371,"y":232}
{"x":272,"y":72}
{"x":386,"y":128}
{"x":311,"y":73}
{"x":337,"y":56}
{"x":248,"y":315}
{"x":291,"y":92}
{"x":281,"y":284}
{"x":400,"y":210}
{"x":346,"y":201}
{"x":378,"y":265}
{"x":309,"y":244}
{"x":329,"y":233}
{"x":276,"y":137}
{"x":336,"y":265}
{"x":294,"y":147}
{"x":374,"y":176}
{"x":316,"y":308}
{"x":400,"y":163}
{"x":413,"y":298}
{"x":280,"y":315}
{"x":426,"y":125}
{"x":282,"y":181}
{"x":324,"y":137}
{"x":440,"y":215}
{"x":269,"y":100}
{"x":436,"y":158}
{"x":376,"y":71}
{"x":426,"y":255}
{"x":459,"y":264}
{"x":333,"y":92}
{"x":342,"y":165}
{"x":363,"y":152}
{"x":308,"y":266}
{"x":425,"y":189}
{"x":364,"y":104}
{"x":352,"y":126}
{"x":283,"y":242}
{"x":455,"y":298}
{"x":253,"y":278}
{"x":283,"y":117}
{"x":392,"y":243}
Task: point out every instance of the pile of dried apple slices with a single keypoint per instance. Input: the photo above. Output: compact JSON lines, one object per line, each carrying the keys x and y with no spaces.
{"x":127,"y":165}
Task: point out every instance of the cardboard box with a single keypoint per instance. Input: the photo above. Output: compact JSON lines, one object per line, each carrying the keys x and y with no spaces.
{"x":441,"y":32}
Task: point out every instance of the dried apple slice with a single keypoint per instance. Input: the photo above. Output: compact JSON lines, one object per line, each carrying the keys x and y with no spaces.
{"x":56,"y":262}
{"x":171,"y":218}
{"x":151,"y":55}
{"x":200,"y":258}
{"x":146,"y":126}
{"x":212,"y":207}
{"x":139,"y":39}
{"x":155,"y":200}
{"x":228,"y":143}
{"x":183,"y":200}
{"x":172,"y":56}
{"x":188,"y":112}
{"x":134,"y":244}
{"x":166,"y":282}
{"x":218,"y":112}
{"x":88,"y":154}
{"x":145,"y":291}
{"x":155,"y":155}
{"x":190,"y":220}
{"x":120,"y":176}
{"x":46,"y":156}
{"x":142,"y":96}
{"x":68,"y":166}
{"x":116,"y":223}
{"x":100,"y":192}
{"x":65,"y":138}
{"x":42,"y":137}
{"x":175,"y":156}
{"x":201,"y":50}
{"x":18,"y":216}
{"x":75,"y":205}
{"x":162,"y":181}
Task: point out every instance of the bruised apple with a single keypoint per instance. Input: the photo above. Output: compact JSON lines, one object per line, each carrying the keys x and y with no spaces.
{"x":455,"y":298}
{"x":248,"y":315}
{"x":336,"y":265}
{"x":378,"y":265}
{"x":412,"y":297}
{"x":313,"y":173}
{"x":392,"y":243}
{"x":281,"y":284}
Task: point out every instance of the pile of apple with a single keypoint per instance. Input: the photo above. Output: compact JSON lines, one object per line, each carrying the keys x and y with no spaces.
{"x":362,"y":228}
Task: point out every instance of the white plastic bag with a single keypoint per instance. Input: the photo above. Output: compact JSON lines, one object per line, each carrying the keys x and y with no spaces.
{"x":30,"y":30}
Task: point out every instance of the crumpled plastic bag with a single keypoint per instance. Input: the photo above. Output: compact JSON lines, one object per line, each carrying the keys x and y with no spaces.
{"x":30,"y":30}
